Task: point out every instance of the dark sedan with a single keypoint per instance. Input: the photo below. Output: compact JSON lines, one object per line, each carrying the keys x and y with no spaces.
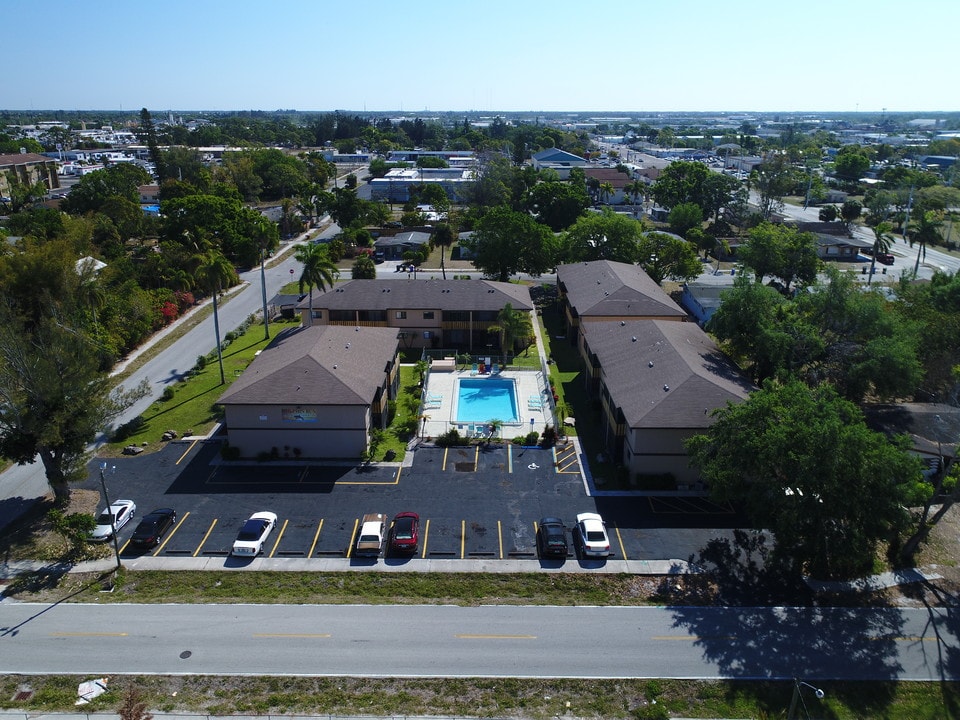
{"x":552,"y":537}
{"x":153,"y":527}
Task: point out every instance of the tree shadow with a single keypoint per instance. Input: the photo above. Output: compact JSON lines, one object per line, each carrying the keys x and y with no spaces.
{"x":755,"y":621}
{"x":46,"y":578}
{"x":943,"y":623}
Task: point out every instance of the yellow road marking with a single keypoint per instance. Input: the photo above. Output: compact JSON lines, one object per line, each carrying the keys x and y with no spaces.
{"x":276,"y":543}
{"x":426,"y":532}
{"x":175,"y":528}
{"x":510,"y":458}
{"x":88,"y":634}
{"x":495,"y":637}
{"x":476,"y":457}
{"x":209,"y":530}
{"x":500,"y":538}
{"x":291,"y":635}
{"x":463,"y":537}
{"x":353,"y":534}
{"x":445,"y":452}
{"x":315,"y":538}
{"x":623,"y":553}
{"x":187,"y":451}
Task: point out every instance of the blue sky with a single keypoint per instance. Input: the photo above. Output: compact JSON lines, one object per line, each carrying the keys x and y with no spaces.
{"x":546,"y":55}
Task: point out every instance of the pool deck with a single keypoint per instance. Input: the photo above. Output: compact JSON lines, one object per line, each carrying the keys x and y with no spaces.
{"x":440,"y":403}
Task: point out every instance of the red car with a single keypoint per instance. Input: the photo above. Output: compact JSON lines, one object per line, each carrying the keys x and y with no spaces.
{"x":405,"y":533}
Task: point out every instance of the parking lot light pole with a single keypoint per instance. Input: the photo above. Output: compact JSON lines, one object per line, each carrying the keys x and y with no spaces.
{"x":797,"y":696}
{"x":113,"y":519}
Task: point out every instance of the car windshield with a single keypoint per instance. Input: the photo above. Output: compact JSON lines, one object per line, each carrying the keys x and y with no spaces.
{"x":404,"y":529}
{"x":251,"y":530}
{"x":105,"y":518}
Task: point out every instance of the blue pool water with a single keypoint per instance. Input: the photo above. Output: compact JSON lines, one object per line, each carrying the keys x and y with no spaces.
{"x":485,"y":399}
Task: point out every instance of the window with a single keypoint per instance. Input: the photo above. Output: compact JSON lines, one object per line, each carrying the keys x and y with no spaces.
{"x":401,"y":314}
{"x":317,"y":314}
{"x":428,"y":315}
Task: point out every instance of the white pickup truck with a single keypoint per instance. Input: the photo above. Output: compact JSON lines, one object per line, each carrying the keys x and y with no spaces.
{"x":373,"y":530}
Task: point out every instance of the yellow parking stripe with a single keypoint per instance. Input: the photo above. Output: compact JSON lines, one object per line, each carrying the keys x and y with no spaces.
{"x":276,"y":543}
{"x":426,"y":532}
{"x":315,"y":538}
{"x":187,"y":451}
{"x":209,"y":530}
{"x":353,"y":534}
{"x":500,"y":538}
{"x":175,"y":528}
{"x":463,"y":538}
{"x":445,"y":453}
{"x":623,"y":553}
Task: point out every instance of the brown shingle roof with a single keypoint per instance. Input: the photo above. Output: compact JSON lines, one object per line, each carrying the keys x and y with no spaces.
{"x":664,"y":374}
{"x":317,"y":365}
{"x":612,"y":289}
{"x":23,"y":159}
{"x":421,"y":294}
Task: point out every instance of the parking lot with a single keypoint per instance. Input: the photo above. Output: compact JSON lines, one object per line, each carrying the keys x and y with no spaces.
{"x":474,"y":502}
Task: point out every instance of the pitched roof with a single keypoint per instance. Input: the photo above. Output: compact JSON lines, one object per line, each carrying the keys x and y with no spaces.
{"x":604,"y":288}
{"x":608,"y":175}
{"x":554,"y":155}
{"x":23,"y":159}
{"x":664,"y":374}
{"x":317,"y":365}
{"x":427,"y":294}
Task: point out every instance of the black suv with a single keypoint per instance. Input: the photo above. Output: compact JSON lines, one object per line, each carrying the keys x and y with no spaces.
{"x":153,"y":527}
{"x":552,"y":537}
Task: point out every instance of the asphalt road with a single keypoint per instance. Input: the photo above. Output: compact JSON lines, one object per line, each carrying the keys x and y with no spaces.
{"x":488,"y":641}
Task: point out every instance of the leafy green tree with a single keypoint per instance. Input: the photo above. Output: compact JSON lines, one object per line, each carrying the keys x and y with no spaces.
{"x":781,"y":251}
{"x":54,"y":398}
{"x":39,"y":222}
{"x":772,"y":179}
{"x":506,"y":242}
{"x":828,"y":213}
{"x":606,"y":191}
{"x":94,"y":189}
{"x":603,"y":236}
{"x":851,"y":163}
{"x":684,"y":217}
{"x":830,"y":489}
{"x":363,"y":268}
{"x":664,"y":256}
{"x":147,"y":133}
{"x":681,"y":182}
{"x":319,"y":271}
{"x":850,"y":212}
{"x":214,"y":273}
{"x":558,"y":204}
{"x":236,"y":230}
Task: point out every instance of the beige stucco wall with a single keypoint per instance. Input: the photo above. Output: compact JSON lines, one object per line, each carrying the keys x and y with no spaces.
{"x":324,"y":432}
{"x":652,"y":452}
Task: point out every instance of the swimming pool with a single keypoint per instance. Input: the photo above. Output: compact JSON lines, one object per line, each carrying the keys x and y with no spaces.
{"x":480,"y":400}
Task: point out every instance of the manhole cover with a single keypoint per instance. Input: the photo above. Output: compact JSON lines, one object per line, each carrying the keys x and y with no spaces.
{"x":185,"y":654}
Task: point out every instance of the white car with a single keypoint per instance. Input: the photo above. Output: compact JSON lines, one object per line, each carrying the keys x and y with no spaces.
{"x":114,"y":517}
{"x":253,"y":534}
{"x":592,"y":534}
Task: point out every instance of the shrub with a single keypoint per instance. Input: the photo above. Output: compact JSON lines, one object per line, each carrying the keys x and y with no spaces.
{"x":128,"y":429}
{"x":230,"y":452}
{"x":531,"y":438}
{"x":450,"y":438}
{"x":201,"y":362}
{"x":167,"y":393}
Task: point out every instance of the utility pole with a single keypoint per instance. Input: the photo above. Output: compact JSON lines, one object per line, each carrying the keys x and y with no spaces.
{"x":113,"y":519}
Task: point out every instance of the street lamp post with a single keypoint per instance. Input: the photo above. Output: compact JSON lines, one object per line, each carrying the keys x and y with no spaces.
{"x":113,"y":518}
{"x":798,"y":697}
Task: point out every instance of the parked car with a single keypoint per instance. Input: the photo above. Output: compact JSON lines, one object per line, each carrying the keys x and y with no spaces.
{"x":552,"y":537}
{"x":405,"y":534}
{"x":885,"y":258}
{"x":592,"y":534}
{"x":153,"y":527}
{"x":113,"y":518}
{"x":373,"y":528}
{"x":254,"y":532}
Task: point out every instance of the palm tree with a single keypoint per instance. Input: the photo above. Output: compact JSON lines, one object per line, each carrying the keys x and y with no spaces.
{"x":606,"y":191}
{"x":318,"y":269}
{"x":443,"y":236}
{"x":511,"y":326}
{"x":925,"y":229}
{"x":881,"y":243}
{"x":214,"y":272}
{"x":635,"y":189}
